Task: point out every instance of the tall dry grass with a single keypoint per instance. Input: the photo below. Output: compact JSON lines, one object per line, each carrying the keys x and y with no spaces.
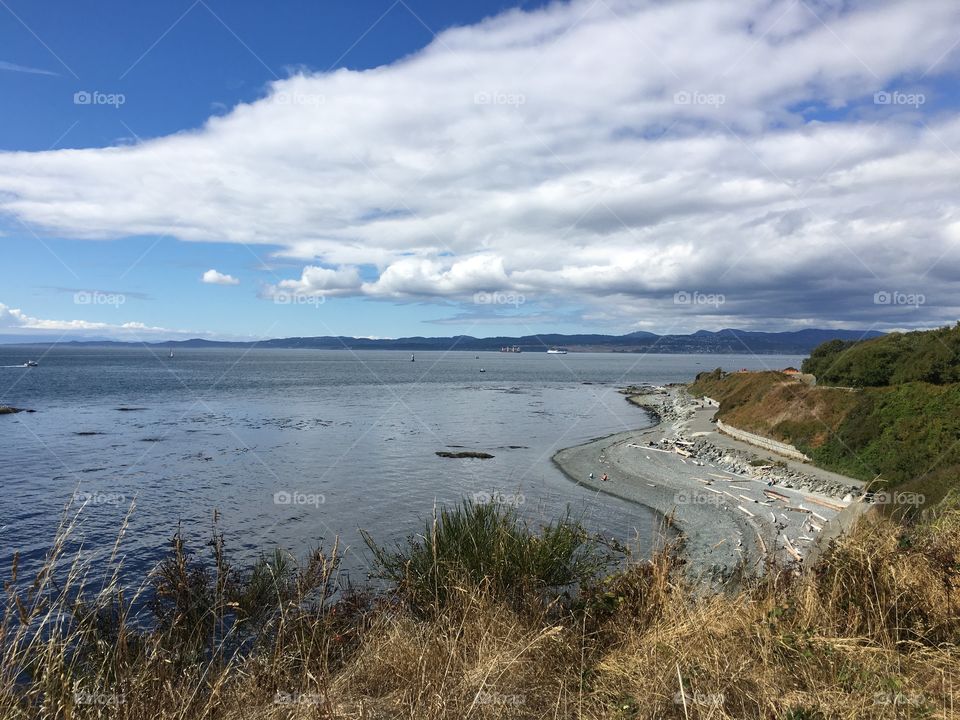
{"x":871,"y":632}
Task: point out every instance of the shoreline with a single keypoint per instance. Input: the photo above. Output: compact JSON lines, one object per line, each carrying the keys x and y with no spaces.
{"x":733,"y":516}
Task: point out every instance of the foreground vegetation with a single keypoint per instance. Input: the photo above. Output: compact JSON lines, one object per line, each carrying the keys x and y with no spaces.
{"x":485,"y":617}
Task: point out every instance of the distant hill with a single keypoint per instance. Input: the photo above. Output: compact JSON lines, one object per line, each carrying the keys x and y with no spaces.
{"x":725,"y":341}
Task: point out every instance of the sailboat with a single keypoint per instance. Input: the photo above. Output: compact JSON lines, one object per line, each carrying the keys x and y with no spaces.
{"x":171,"y":352}
{"x":412,"y":358}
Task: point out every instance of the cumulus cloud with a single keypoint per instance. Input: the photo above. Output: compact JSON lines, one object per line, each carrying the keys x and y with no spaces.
{"x":423,"y":277}
{"x":607,"y":155}
{"x":214,"y":277}
{"x":322,"y":282}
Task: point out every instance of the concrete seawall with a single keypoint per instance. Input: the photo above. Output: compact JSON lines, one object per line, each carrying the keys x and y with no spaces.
{"x":764,"y":442}
{"x":836,"y":526}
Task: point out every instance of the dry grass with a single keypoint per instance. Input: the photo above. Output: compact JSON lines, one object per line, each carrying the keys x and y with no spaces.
{"x":872,"y":632}
{"x":769,"y":403}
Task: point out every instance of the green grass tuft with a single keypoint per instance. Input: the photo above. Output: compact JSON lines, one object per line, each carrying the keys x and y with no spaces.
{"x":488,"y":545}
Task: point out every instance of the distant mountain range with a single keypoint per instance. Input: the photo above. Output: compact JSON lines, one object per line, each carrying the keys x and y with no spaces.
{"x":799,"y":342}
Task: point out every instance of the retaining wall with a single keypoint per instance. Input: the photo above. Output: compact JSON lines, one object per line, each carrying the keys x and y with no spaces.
{"x":766,"y":443}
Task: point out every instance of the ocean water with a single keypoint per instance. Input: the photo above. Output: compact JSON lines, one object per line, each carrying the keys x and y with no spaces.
{"x":294,"y":448}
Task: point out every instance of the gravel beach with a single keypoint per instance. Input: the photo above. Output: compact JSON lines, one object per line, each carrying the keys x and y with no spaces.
{"x":734,"y":516}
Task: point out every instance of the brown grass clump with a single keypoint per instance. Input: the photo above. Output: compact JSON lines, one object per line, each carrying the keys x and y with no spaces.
{"x":894,"y":587}
{"x":478,"y":659}
{"x":871,"y":632}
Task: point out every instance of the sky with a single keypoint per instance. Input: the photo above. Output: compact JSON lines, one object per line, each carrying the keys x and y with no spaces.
{"x":235,"y":170}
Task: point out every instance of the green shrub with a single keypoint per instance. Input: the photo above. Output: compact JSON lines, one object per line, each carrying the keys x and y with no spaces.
{"x":489,"y":546}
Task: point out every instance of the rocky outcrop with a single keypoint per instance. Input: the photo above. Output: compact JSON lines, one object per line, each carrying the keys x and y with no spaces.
{"x":7,"y":410}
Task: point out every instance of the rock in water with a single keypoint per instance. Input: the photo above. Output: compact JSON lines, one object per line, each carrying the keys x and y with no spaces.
{"x":464,"y":454}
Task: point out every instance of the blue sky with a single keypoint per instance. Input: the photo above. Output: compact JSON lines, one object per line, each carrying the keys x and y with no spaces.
{"x":177,"y":64}
{"x":410,"y":167}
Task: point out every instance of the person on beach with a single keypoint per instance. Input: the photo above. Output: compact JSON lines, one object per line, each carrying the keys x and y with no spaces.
{"x":604,"y":477}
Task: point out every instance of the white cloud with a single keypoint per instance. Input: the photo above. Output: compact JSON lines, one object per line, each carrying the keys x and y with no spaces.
{"x":322,"y":281}
{"x":15,"y":318}
{"x":606,"y":153}
{"x":421,"y":277}
{"x":214,"y":277}
{"x":13,"y":67}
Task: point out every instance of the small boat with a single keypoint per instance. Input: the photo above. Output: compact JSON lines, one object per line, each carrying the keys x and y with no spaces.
{"x":482,"y":370}
{"x":31,"y":363}
{"x":557,"y":351}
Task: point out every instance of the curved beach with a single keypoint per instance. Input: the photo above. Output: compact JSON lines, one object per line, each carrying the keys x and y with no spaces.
{"x":732,"y":521}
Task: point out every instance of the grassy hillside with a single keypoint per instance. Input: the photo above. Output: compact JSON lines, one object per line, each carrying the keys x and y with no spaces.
{"x":904,"y":436}
{"x":931,"y":356}
{"x":772,"y":404}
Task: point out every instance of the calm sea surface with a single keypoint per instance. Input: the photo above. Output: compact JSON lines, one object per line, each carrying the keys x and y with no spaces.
{"x":295,"y":447}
